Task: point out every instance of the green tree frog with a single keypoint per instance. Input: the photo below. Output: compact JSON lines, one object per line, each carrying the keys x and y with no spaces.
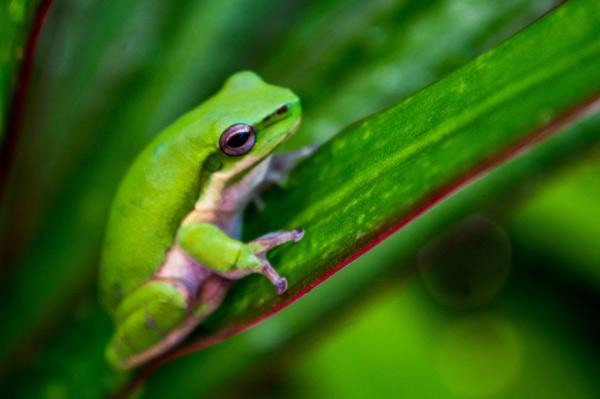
{"x":172,"y":242}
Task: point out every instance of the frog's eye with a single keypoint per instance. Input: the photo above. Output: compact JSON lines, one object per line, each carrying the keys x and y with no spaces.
{"x":237,"y":139}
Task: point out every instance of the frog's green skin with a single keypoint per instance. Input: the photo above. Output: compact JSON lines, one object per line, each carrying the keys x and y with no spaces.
{"x":170,"y":247}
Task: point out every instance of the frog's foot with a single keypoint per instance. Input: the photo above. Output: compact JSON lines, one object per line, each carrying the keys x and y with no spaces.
{"x":271,"y":274}
{"x":282,"y":164}
{"x":268,"y":242}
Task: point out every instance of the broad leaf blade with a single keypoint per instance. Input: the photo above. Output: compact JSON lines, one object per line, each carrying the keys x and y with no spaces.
{"x":304,"y":322}
{"x":381,"y":173}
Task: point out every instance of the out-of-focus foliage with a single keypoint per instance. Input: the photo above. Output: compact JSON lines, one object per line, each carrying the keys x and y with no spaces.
{"x":567,"y":208}
{"x":109,"y":75}
{"x":17,"y":19}
{"x":405,"y":342}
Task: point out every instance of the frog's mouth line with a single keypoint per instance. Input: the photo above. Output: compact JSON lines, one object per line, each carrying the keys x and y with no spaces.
{"x":294,"y":128}
{"x":279,"y":114}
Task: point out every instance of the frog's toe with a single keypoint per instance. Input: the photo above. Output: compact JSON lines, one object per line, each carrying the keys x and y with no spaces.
{"x":276,"y":238}
{"x":281,"y":284}
{"x":298,"y":234}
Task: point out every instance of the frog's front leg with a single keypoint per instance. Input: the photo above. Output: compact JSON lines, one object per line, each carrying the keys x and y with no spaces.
{"x":282,"y":164}
{"x":231,"y":258}
{"x":279,"y":168}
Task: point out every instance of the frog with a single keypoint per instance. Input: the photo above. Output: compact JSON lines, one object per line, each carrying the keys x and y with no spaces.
{"x":172,"y":247}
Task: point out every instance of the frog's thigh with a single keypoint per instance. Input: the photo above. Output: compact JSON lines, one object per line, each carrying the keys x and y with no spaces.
{"x":145,"y":317}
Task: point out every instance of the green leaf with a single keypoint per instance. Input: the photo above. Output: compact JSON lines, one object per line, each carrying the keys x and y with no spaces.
{"x":308,"y":319}
{"x":383,"y":172}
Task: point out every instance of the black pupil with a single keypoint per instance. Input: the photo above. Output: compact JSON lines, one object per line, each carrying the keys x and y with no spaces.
{"x":238,"y":139}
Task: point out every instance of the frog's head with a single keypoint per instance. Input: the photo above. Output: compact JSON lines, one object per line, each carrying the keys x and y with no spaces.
{"x":253,"y":119}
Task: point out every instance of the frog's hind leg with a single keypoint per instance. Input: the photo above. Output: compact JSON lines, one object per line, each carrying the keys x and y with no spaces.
{"x":156,"y":317}
{"x":144,"y":318}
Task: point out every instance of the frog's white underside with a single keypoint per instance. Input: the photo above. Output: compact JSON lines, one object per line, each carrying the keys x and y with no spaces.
{"x":200,"y":285}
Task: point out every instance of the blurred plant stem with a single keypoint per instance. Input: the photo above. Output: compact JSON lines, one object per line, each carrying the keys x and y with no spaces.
{"x":18,"y":19}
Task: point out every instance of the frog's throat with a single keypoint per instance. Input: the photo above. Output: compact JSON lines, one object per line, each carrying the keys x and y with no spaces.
{"x":223,"y":194}
{"x":218,"y":193}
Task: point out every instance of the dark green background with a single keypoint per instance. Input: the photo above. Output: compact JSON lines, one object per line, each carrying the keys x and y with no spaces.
{"x":490,"y":294}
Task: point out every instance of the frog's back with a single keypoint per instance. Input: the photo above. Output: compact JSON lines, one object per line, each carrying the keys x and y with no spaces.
{"x":158,"y":191}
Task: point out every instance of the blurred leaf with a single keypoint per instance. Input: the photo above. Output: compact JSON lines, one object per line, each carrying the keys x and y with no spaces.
{"x":404,"y":344}
{"x":567,"y":208}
